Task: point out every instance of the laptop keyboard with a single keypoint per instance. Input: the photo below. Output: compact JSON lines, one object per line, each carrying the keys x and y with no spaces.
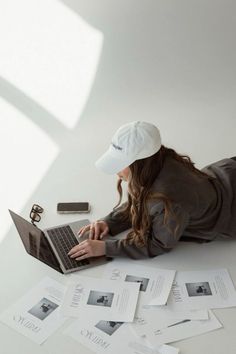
{"x":63,"y":240}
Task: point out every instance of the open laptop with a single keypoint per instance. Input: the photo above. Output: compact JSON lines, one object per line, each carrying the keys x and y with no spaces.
{"x":51,"y":245}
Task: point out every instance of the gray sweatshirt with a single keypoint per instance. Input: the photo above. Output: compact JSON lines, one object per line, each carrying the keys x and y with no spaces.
{"x":205,"y":210}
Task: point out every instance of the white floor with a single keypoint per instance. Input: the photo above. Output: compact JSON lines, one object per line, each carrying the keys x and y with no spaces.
{"x":169,"y":63}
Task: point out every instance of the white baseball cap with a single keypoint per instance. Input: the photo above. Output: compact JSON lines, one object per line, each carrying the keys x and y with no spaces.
{"x":133,"y":141}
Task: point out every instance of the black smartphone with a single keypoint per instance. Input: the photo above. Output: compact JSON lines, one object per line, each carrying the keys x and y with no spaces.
{"x":73,"y":207}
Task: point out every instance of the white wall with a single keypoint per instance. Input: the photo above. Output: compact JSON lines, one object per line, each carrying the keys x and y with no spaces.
{"x":168,"y":62}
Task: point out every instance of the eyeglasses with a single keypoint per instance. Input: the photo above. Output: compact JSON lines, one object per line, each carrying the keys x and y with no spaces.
{"x":35,"y":212}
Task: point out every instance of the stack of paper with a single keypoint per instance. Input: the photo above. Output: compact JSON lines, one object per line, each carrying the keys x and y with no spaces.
{"x":136,"y":309}
{"x":113,"y":303}
{"x":187,"y":310}
{"x":112,"y":337}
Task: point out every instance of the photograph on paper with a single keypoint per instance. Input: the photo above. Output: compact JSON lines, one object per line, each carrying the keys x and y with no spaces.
{"x":142,"y":281}
{"x":108,"y":327}
{"x":99,"y":298}
{"x":198,"y":289}
{"x":43,"y":308}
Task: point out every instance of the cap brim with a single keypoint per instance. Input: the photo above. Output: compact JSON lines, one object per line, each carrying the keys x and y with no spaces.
{"x":111,"y":164}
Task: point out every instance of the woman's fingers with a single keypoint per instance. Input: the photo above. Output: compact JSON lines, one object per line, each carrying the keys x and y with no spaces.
{"x":91,"y":231}
{"x":80,"y":253}
{"x":104,"y":233}
{"x":86,"y":249}
{"x":101,"y":230}
{"x":97,"y":230}
{"x":83,"y":229}
{"x":78,"y":250}
{"x":74,"y":250}
{"x":81,"y":257}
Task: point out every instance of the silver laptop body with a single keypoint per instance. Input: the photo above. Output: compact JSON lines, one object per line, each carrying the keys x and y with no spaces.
{"x":51,"y":245}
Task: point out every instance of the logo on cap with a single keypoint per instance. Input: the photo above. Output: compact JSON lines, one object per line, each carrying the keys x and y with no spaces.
{"x":116,"y":146}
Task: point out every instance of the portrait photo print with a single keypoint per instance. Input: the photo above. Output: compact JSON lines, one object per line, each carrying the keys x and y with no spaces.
{"x":43,"y":309}
{"x":143,"y":281}
{"x":109,"y":327}
{"x":198,"y":289}
{"x":100,"y":298}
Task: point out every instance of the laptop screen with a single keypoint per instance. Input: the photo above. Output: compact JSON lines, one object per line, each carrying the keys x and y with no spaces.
{"x":35,"y":241}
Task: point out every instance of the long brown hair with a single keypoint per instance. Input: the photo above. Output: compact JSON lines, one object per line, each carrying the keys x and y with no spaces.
{"x":142,"y":176}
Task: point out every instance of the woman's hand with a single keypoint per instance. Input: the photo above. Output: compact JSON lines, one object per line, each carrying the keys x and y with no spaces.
{"x":88,"y":248}
{"x":97,"y":230}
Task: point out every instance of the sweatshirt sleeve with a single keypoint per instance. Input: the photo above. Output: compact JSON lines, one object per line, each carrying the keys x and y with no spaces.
{"x":160,"y":238}
{"x":116,"y":222}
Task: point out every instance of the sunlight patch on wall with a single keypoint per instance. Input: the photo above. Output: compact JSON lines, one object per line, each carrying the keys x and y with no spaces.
{"x":50,"y":53}
{"x":26,"y":153}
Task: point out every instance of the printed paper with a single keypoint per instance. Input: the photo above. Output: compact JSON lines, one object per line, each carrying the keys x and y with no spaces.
{"x":155,"y":284}
{"x":202,"y":290}
{"x":37,"y":314}
{"x":112,"y":301}
{"x":112,"y":338}
{"x":159,"y":328}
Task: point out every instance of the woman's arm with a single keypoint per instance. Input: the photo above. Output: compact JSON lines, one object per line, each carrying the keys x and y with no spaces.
{"x":160,"y":239}
{"x":116,"y":222}
{"x":95,"y":246}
